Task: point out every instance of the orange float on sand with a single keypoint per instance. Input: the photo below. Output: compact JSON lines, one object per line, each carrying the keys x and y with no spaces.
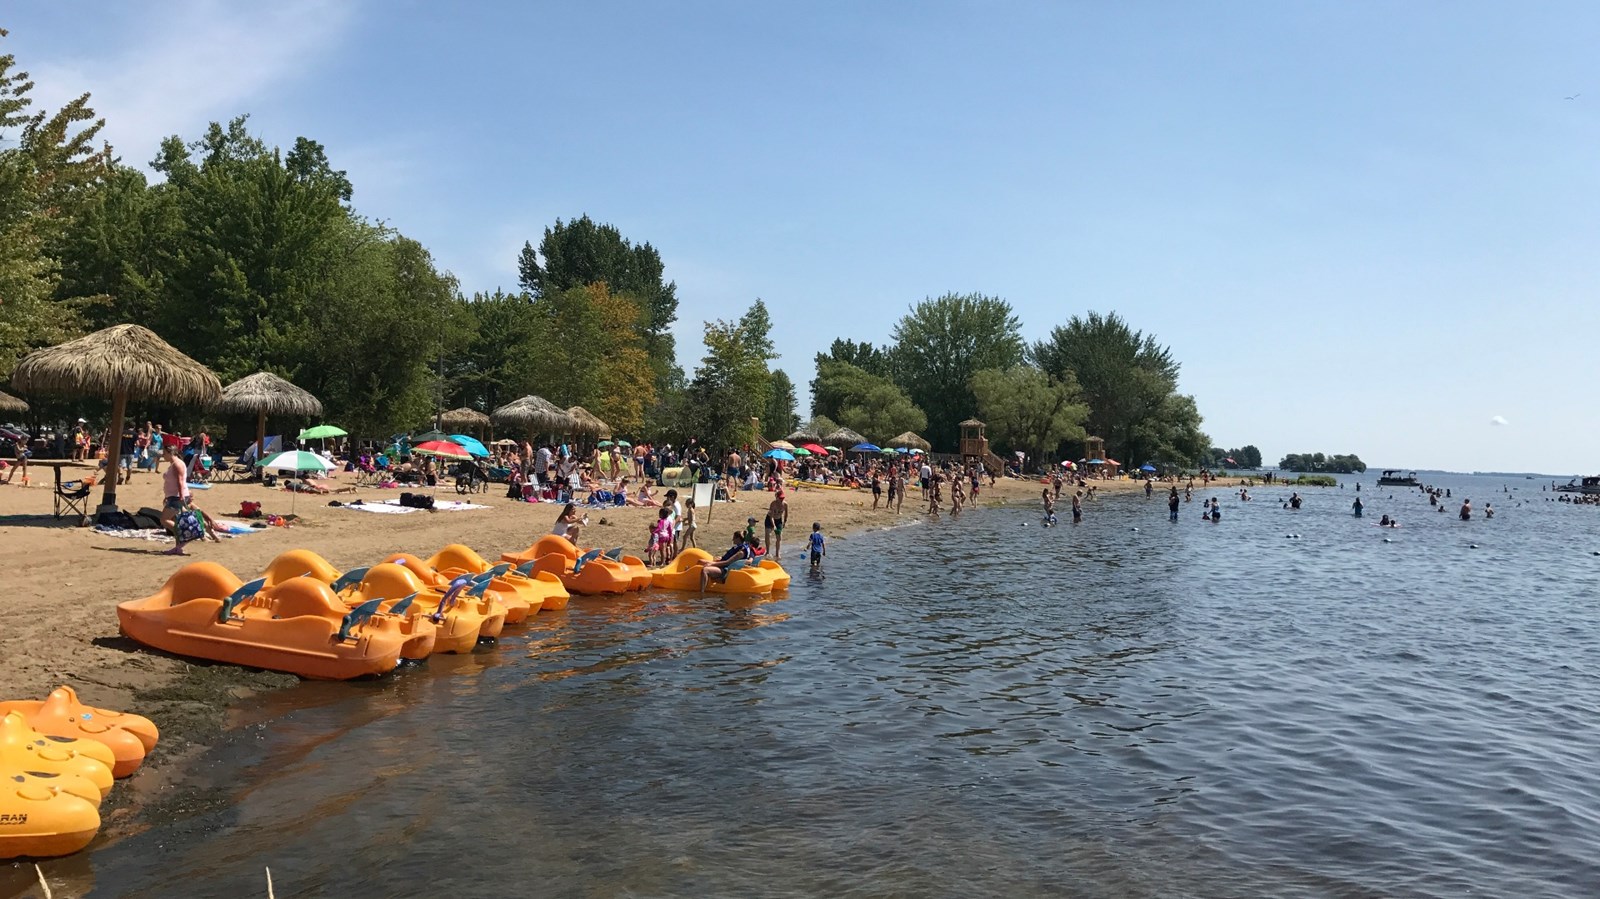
{"x":138,"y":725}
{"x":541,"y":589}
{"x":41,"y":821}
{"x":588,"y":573}
{"x":299,"y":626}
{"x":62,"y":715}
{"x":24,"y":749}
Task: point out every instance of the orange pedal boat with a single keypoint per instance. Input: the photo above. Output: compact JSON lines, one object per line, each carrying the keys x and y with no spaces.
{"x":588,"y":573}
{"x":42,"y":821}
{"x":541,"y":589}
{"x":138,"y":725}
{"x":458,"y":619}
{"x":295,"y":563}
{"x":298,"y":626}
{"x":62,"y":715}
{"x":515,"y":609}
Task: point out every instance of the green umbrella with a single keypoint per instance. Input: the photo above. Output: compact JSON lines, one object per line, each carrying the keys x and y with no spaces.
{"x":887,"y":451}
{"x":322,"y":432}
{"x":295,"y":460}
{"x":831,"y":449}
{"x":800,"y":451}
{"x":604,"y":443}
{"x":624,"y":443}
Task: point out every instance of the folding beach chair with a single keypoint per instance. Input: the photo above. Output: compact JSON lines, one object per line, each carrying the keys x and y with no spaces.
{"x":72,"y":497}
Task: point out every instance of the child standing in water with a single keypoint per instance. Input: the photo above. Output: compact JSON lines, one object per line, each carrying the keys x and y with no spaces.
{"x":1077,"y":507}
{"x":819,"y":545}
{"x":1172,"y":503}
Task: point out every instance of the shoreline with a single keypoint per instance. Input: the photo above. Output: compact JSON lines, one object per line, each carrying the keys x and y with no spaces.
{"x":61,"y":618}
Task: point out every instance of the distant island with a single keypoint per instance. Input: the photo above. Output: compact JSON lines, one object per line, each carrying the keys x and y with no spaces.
{"x":1335,"y":464}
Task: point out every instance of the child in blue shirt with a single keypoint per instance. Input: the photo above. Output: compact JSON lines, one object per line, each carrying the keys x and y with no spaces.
{"x":819,"y":544}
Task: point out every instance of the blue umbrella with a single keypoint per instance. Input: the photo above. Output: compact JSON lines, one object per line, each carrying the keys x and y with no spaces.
{"x":1147,"y":467}
{"x":470,"y":444}
{"x":864,"y":448}
{"x":904,"y":451}
{"x":781,"y":454}
{"x":1097,"y":461}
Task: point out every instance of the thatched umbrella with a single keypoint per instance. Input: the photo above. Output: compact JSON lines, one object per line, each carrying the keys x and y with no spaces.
{"x":463,"y":419}
{"x":587,"y":423}
{"x":532,"y":414}
{"x":843,"y":437}
{"x":263,"y":394}
{"x":803,"y":436}
{"x":125,"y":362}
{"x":9,"y":403}
{"x":912,"y":441}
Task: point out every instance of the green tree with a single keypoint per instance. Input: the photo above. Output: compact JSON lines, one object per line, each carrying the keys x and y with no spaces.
{"x":863,"y":402}
{"x":940,"y":344}
{"x":1129,"y":381}
{"x":581,"y":252}
{"x":732,"y":383}
{"x":781,"y":416}
{"x":1028,"y":410}
{"x":42,"y":181}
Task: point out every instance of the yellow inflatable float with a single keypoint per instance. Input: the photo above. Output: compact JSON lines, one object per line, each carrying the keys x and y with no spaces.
{"x":40,"y":821}
{"x":24,"y":749}
{"x":62,"y":715}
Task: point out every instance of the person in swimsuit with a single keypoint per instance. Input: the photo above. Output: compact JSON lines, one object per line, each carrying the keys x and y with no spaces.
{"x":777,"y":517}
{"x":1077,"y":507}
{"x":1172,"y":503}
{"x":1466,"y":510}
{"x":894,"y":491}
{"x":877,"y":489}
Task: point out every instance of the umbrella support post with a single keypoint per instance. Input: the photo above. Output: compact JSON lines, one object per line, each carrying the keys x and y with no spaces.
{"x":119,"y":411}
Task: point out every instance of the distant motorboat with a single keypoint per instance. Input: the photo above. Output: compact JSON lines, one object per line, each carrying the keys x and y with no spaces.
{"x":1589,"y":486}
{"x":1395,"y":478}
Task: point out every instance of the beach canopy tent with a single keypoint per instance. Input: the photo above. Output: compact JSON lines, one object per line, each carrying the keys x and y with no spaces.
{"x":9,"y":403}
{"x":265,"y":394}
{"x":124,"y":362}
{"x":911,"y":441}
{"x":533,"y":415}
{"x":843,"y":437}
{"x":587,"y":423}
{"x":464,"y":419}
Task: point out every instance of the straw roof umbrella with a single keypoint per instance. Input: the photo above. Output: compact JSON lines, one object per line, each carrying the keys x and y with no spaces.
{"x":462,"y":419}
{"x":263,"y":394}
{"x":803,"y":436}
{"x":843,"y":437}
{"x":586,"y":422}
{"x":125,"y":362}
{"x":532,"y":414}
{"x":9,"y":403}
{"x":912,"y":441}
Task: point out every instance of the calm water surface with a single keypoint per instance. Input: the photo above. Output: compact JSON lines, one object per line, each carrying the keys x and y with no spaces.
{"x":982,"y":707}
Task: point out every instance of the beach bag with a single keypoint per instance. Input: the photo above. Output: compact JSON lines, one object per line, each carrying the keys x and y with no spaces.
{"x":188,"y":526}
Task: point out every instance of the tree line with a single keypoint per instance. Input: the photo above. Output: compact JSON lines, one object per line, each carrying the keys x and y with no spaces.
{"x":1337,"y":464}
{"x":249,"y":257}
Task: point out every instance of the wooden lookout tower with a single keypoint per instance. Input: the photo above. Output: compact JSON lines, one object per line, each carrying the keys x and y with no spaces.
{"x":975,"y":447}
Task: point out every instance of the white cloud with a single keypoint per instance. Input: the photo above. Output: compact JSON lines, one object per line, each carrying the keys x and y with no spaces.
{"x":188,"y":64}
{"x":1499,"y":421}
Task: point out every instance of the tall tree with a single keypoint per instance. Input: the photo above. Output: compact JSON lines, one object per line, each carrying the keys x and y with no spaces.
{"x":1129,"y":381}
{"x":42,"y":181}
{"x":581,"y":252}
{"x":1028,"y":410}
{"x":781,"y":416}
{"x":941,"y":344}
{"x":873,"y":406}
{"x":731,"y":385}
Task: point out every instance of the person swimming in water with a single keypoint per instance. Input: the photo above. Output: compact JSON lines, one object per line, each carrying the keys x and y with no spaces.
{"x":1172,"y":503}
{"x":1357,"y":506}
{"x":1466,"y":510}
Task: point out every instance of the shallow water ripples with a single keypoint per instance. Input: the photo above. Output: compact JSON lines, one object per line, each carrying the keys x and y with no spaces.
{"x":1127,"y":708}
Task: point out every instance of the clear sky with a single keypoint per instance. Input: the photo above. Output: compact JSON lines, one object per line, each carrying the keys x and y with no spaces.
{"x":1362,"y":227}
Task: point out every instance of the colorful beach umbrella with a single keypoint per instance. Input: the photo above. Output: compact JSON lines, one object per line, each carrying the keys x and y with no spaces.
{"x":444,"y":449}
{"x":801,"y":451}
{"x":1097,"y":461}
{"x":322,"y":432}
{"x":815,"y":448}
{"x":470,"y":444}
{"x":1147,"y":467}
{"x":863,"y":448}
{"x":780,"y":454}
{"x":296,"y":461}
{"x":624,"y":443}
{"x":605,"y":443}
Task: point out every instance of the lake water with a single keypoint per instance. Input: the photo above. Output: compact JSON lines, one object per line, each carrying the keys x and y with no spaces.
{"x":978,"y":707}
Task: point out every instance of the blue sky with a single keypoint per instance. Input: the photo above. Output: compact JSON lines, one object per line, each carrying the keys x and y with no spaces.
{"x":1361,"y":227}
